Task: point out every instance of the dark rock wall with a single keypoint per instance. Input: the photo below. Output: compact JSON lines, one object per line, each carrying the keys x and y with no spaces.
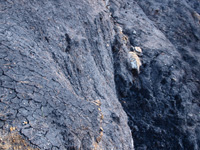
{"x":64,"y":70}
{"x":162,"y":102}
{"x":56,"y":75}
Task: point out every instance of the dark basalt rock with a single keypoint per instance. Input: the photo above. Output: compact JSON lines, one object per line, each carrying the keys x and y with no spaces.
{"x":65,"y":68}
{"x":162,"y":102}
{"x":57,"y":84}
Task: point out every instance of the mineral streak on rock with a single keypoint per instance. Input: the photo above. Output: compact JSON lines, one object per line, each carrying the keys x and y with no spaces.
{"x":65,"y":66}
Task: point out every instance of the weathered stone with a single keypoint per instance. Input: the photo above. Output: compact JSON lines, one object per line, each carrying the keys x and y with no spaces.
{"x":57,"y":58}
{"x":65,"y":66}
{"x":167,"y":87}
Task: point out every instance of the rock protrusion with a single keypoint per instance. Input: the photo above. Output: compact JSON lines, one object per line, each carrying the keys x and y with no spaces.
{"x":134,"y":61}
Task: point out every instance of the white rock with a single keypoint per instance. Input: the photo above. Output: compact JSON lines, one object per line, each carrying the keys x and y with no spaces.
{"x":135,"y":61}
{"x":138,"y":50}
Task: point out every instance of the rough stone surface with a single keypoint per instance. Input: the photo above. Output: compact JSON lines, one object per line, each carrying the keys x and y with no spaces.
{"x":163,"y":101}
{"x":55,"y":64}
{"x":64,"y":69}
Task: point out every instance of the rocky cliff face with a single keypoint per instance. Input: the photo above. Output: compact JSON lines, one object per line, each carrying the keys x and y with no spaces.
{"x":163,"y":100}
{"x":65,"y":66}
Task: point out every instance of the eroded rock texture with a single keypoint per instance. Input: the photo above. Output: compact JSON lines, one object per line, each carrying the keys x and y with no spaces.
{"x":56,"y":77}
{"x":163,"y":101}
{"x":64,"y":69}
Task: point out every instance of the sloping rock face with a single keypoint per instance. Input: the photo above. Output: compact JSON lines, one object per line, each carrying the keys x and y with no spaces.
{"x":65,"y":68}
{"x":57,"y":84}
{"x":163,"y":101}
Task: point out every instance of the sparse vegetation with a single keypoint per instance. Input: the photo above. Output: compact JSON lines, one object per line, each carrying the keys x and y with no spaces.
{"x":14,"y":141}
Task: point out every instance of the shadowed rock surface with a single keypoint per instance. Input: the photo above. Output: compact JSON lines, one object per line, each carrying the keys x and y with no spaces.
{"x":64,"y":69}
{"x":163,"y":101}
